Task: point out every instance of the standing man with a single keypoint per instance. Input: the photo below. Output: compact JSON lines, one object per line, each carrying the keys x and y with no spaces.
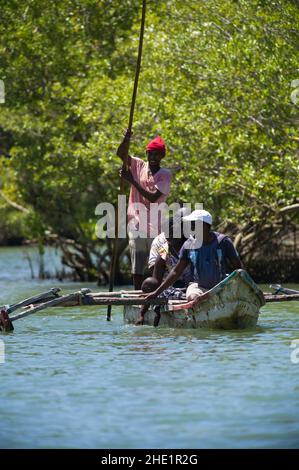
{"x":149,"y":184}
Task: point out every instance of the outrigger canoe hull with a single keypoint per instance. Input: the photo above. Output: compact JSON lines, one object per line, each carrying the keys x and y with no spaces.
{"x":234,"y":303}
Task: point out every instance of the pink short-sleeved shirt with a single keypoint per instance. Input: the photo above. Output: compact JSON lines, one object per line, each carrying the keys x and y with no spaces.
{"x":161,"y":180}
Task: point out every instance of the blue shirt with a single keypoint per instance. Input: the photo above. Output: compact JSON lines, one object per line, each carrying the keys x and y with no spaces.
{"x":209,"y":262}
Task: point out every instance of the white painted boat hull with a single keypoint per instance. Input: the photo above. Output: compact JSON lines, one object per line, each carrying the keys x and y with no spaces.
{"x":234,"y":303}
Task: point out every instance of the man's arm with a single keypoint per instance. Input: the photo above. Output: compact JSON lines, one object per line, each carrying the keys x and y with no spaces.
{"x":123,"y":149}
{"x":171,"y":278}
{"x":236,"y":263}
{"x":152,"y":197}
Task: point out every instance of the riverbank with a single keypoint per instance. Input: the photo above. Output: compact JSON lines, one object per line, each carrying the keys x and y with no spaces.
{"x":31,"y":265}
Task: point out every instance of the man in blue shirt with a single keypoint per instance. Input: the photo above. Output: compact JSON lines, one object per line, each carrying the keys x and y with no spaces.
{"x":210,"y":258}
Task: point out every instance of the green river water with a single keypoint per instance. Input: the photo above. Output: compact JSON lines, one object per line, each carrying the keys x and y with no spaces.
{"x":71,"y":379}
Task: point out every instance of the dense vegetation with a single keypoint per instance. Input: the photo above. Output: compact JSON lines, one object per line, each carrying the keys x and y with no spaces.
{"x":216,"y":82}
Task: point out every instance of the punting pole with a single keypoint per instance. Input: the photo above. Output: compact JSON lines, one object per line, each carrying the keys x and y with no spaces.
{"x":125,"y":163}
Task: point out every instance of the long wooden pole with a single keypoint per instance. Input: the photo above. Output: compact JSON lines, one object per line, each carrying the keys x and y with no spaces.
{"x":281,"y":297}
{"x":125,"y":163}
{"x":49,"y":295}
{"x":43,"y":306}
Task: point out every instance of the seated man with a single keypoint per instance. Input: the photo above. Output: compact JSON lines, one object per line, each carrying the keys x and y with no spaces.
{"x":209,"y":261}
{"x":164,"y":254}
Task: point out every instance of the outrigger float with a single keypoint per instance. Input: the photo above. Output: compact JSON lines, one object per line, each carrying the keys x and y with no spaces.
{"x":234,"y":303}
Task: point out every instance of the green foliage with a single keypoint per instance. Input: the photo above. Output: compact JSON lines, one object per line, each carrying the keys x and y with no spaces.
{"x":13,"y":226}
{"x":215,"y":82}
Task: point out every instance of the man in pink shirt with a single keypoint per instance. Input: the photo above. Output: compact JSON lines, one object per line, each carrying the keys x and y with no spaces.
{"x":149,"y":184}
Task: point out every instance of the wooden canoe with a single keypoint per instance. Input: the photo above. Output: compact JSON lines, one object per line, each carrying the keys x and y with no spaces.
{"x":234,"y":303}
